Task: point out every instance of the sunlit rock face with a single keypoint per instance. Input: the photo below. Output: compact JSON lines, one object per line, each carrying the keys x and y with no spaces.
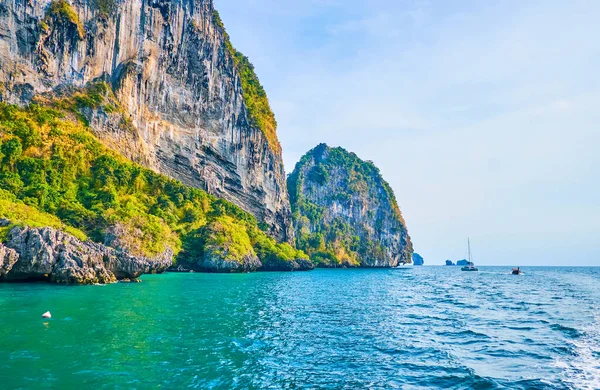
{"x":177,"y":83}
{"x":55,"y":256}
{"x":345,"y":214}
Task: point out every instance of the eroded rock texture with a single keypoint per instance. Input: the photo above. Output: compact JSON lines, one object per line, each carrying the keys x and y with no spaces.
{"x":345,"y":214}
{"x":216,"y":260}
{"x":8,"y":258}
{"x":170,"y":68}
{"x":55,"y":256}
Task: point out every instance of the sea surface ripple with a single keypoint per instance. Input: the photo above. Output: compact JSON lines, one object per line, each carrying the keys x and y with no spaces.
{"x":427,"y":327}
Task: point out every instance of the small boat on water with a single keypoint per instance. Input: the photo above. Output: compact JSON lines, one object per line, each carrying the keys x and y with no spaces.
{"x":470,"y":265}
{"x":517,"y":271}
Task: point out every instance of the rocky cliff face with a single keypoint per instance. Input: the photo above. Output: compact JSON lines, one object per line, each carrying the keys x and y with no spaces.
{"x":8,"y":258}
{"x":177,"y":80}
{"x":55,"y":256}
{"x":345,"y":214}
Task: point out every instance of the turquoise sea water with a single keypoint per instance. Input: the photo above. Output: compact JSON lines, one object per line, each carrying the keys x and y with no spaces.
{"x":428,"y":327}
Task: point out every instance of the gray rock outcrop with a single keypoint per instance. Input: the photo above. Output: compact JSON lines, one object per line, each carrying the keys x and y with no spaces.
{"x":8,"y":258}
{"x":216,"y":260}
{"x":285,"y":265}
{"x":55,"y":256}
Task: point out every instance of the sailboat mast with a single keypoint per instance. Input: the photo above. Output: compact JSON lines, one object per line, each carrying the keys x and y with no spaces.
{"x":469,"y":246}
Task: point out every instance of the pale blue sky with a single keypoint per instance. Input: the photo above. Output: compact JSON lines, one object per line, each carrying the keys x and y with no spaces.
{"x":483,"y":115}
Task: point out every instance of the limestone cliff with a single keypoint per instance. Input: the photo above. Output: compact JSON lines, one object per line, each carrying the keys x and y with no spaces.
{"x":345,"y":214}
{"x":196,"y":109}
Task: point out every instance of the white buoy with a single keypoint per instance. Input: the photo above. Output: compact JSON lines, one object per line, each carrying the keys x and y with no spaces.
{"x":47,"y":315}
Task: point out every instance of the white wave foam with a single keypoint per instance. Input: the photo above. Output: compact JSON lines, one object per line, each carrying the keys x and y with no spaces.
{"x":582,"y":370}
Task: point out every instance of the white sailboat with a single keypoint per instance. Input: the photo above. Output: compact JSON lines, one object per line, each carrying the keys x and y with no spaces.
{"x":470,"y":265}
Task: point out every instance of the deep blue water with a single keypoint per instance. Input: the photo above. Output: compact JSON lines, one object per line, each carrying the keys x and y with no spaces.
{"x":428,"y":327}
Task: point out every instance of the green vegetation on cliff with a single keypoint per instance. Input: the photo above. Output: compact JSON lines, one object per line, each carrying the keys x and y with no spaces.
{"x":344,"y":212}
{"x":255,"y":96}
{"x":61,"y":11}
{"x":106,"y":7}
{"x":22,"y":215}
{"x":54,"y":172}
{"x":227,"y":238}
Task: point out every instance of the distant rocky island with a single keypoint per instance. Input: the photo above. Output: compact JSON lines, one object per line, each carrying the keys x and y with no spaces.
{"x":122,"y":158}
{"x":417,"y":259}
{"x":462,"y":262}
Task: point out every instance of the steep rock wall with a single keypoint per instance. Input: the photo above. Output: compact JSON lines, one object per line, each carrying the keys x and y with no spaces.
{"x":172,"y":70}
{"x":345,"y":214}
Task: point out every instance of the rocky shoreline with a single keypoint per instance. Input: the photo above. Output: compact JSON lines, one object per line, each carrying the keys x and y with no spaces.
{"x":212,"y":263}
{"x":46,"y":254}
{"x":51,"y":255}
